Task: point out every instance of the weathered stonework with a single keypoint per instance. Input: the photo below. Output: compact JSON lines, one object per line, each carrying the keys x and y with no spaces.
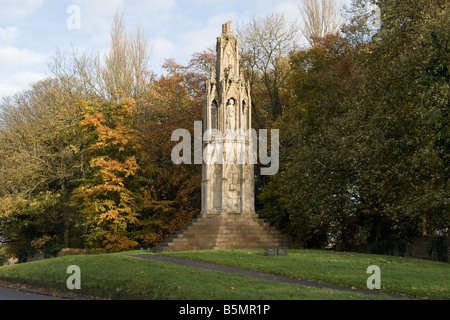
{"x":228,"y":219}
{"x":228,"y":187}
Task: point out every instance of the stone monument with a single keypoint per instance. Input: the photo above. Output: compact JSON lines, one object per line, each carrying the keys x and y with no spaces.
{"x":228,"y":219}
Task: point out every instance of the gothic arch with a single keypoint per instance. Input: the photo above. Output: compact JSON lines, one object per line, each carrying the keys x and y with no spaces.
{"x":214,"y":115}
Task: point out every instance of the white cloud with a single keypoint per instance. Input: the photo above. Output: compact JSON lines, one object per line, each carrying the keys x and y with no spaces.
{"x":290,"y":10}
{"x":97,"y":16}
{"x":99,"y":8}
{"x":204,"y":2}
{"x":151,"y":15}
{"x":157,"y":5}
{"x":18,"y":9}
{"x":13,"y":59}
{"x":8,"y":89}
{"x":19,"y":68}
{"x":8,"y":35}
{"x":17,"y":82}
{"x":161,"y":49}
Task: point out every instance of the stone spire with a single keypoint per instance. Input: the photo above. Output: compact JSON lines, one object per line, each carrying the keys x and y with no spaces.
{"x":227,"y":54}
{"x":228,"y":219}
{"x":228,"y":186}
{"x":227,"y":28}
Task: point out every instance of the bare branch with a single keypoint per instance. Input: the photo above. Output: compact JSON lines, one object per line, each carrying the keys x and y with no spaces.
{"x":320,"y":18}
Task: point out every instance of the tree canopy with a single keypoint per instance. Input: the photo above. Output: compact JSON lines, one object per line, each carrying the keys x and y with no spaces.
{"x":363,"y":114}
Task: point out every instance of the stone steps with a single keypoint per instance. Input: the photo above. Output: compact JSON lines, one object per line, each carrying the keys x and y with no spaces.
{"x":226,"y":231}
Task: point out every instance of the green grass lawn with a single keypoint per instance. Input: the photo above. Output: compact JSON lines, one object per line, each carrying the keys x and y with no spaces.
{"x":123,"y":276}
{"x":414,"y":277}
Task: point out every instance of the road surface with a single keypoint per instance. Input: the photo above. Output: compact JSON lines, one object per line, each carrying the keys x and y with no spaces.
{"x":7,"y":293}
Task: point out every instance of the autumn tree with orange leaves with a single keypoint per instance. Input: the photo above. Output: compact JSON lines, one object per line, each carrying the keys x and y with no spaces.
{"x":109,"y":196}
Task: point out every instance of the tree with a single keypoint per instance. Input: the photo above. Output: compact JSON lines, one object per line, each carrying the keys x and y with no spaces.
{"x":364,"y":140}
{"x":266,"y":44}
{"x":122,"y":195}
{"x":40,"y":161}
{"x":319,"y":18}
{"x":42,"y":152}
{"x":305,"y":198}
{"x":176,"y":101}
{"x":410,"y":81}
{"x":109,"y":195}
{"x":125,"y":68}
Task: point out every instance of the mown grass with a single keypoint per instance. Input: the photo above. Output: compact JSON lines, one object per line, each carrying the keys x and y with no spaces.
{"x":121,"y":276}
{"x":413,"y":277}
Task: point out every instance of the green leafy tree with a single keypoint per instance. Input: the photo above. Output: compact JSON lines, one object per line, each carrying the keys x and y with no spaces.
{"x":365,"y":138}
{"x":40,"y":160}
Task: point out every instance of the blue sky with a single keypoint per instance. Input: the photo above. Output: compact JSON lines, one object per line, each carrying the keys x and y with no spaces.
{"x":32,"y":30}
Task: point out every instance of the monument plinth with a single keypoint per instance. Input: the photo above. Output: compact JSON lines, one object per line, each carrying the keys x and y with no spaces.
{"x":228,"y":219}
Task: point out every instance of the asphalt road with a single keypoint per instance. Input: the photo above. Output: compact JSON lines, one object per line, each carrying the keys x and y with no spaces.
{"x":16,"y":294}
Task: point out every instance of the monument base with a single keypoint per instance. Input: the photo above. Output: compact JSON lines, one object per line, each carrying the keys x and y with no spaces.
{"x":212,"y":231}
